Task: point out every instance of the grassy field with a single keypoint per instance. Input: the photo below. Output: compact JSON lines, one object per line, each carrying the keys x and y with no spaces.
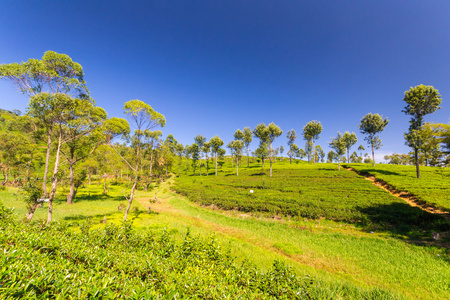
{"x":433,"y":187}
{"x":364,"y":256}
{"x":303,"y":191}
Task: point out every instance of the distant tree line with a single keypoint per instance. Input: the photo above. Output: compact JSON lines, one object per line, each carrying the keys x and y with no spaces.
{"x":64,"y":136}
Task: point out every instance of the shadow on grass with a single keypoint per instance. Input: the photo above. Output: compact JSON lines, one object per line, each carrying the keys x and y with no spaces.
{"x":401,"y":219}
{"x":92,"y":197}
{"x":258,"y":174}
{"x":80,"y":217}
{"x":374,"y":171}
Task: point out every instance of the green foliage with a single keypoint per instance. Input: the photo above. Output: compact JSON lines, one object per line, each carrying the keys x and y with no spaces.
{"x":371,"y":125}
{"x":433,"y":188}
{"x":115,"y":262}
{"x":55,"y":73}
{"x":143,"y":115}
{"x":30,"y":192}
{"x":308,"y":192}
{"x":312,"y":130}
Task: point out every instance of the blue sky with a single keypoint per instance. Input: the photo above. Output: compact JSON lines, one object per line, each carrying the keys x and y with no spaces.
{"x":212,"y":67}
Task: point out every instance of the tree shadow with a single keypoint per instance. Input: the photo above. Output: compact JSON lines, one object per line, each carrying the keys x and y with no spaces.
{"x":259,"y":174}
{"x":80,"y":217}
{"x":384,"y":172}
{"x":410,"y":223}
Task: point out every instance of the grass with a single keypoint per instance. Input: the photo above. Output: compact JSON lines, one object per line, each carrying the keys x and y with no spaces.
{"x":345,"y":260}
{"x":432,"y":188}
{"x":303,"y":191}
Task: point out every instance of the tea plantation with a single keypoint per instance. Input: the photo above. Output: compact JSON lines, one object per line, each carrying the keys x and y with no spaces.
{"x":432,"y":188}
{"x":301,"y":191}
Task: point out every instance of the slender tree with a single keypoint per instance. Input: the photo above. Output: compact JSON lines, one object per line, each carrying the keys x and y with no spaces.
{"x":216,"y":144}
{"x":83,"y":136}
{"x":349,"y":140}
{"x":319,"y":154}
{"x":248,"y":137}
{"x":311,"y":132}
{"x":293,"y":151}
{"x":179,"y":150}
{"x":207,"y":150}
{"x":361,"y":149}
{"x":291,"y":136}
{"x":54,"y":74}
{"x":421,"y":100}
{"x":371,"y":125}
{"x":237,"y":147}
{"x":338,"y":145}
{"x":200,"y":140}
{"x":143,"y":117}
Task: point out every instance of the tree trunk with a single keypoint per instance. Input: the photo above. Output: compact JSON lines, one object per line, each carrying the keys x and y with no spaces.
{"x":247,"y":157}
{"x":54,"y":179}
{"x":130,"y":201}
{"x":151,"y":163}
{"x":89,"y":176}
{"x":5,"y":176}
{"x":348,"y":155}
{"x":71,"y":194}
{"x":270,"y":159}
{"x":237,"y":166}
{"x":373,"y":157}
{"x":31,"y":211}
{"x":200,"y":163}
{"x":104,"y":184}
{"x":216,"y":163}
{"x":416,"y":157}
{"x":47,"y":161}
{"x":314,"y":151}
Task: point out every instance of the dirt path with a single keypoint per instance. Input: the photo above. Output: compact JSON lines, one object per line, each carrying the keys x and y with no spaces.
{"x":405,"y":196}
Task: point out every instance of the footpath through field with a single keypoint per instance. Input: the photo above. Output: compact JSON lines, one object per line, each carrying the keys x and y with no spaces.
{"x":406,"y":196}
{"x":332,"y":252}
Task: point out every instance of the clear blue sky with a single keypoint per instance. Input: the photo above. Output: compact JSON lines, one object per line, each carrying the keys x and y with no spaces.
{"x":212,"y":67}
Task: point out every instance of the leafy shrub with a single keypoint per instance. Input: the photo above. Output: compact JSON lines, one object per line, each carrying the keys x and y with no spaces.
{"x":114,"y":262}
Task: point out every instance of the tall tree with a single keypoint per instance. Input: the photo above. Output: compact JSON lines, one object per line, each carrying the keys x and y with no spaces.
{"x":281,"y":151}
{"x":195,"y":154}
{"x":200,"y":140}
{"x":82,"y":138}
{"x":319,"y":154}
{"x":179,"y":151}
{"x":65,"y":113}
{"x":291,"y":136}
{"x":361,"y":149}
{"x":142,"y":117}
{"x":311,"y":132}
{"x":248,"y":137}
{"x":331,"y":156}
{"x":371,"y":125}
{"x":216,"y":144}
{"x":206,"y":150}
{"x":266,"y":135}
{"x":293,"y":152}
{"x":238,"y":136}
{"x":237,"y":146}
{"x":301,"y":153}
{"x":261,"y":131}
{"x":421,"y":100}
{"x":54,"y":74}
{"x":349,"y":140}
{"x":151,"y":142}
{"x":338,"y":145}
{"x":274,"y":132}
